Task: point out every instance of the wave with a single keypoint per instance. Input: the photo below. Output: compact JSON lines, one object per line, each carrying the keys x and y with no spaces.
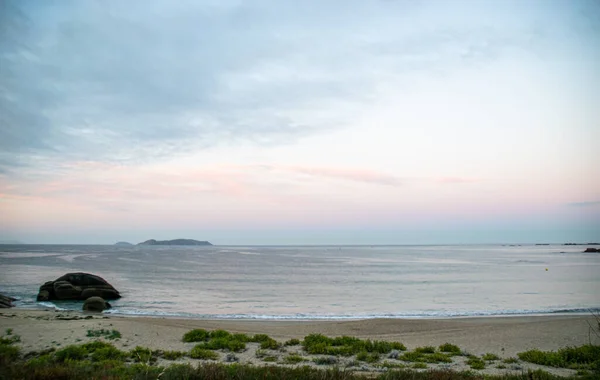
{"x":305,"y":316}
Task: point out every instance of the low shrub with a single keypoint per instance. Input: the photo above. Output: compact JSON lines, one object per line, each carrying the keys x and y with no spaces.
{"x":72,"y":352}
{"x":196,"y":335}
{"x":108,"y":353}
{"x":476,"y":363}
{"x":490,"y":357}
{"x":269,"y":344}
{"x":199,"y":352}
{"x":102,"y":333}
{"x":369,"y":357}
{"x":292,"y":342}
{"x":425,"y":350}
{"x":294,"y":359}
{"x":419,"y":366}
{"x":325,"y":360}
{"x":142,"y":355}
{"x":582,"y":357}
{"x":450,"y":348}
{"x":172,"y":355}
{"x":216,"y":334}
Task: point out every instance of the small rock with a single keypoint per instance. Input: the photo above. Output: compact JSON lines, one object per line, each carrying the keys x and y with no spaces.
{"x":231,"y":358}
{"x":96,"y":304}
{"x":394,"y":354}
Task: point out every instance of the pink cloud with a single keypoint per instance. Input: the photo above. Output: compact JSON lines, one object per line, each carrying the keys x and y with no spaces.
{"x":349,"y":174}
{"x":450,"y":180}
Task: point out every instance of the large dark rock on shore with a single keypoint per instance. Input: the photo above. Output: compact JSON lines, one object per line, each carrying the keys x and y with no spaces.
{"x":6,"y":301}
{"x":77,"y":286}
{"x":587,"y":250}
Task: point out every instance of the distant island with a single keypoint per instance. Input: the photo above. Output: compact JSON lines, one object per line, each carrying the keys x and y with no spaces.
{"x":123,"y":244}
{"x":175,"y":242}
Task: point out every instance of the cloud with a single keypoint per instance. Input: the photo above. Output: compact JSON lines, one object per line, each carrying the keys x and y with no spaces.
{"x":135,"y":81}
{"x":451,"y":180}
{"x":584,"y":204}
{"x":349,"y":174}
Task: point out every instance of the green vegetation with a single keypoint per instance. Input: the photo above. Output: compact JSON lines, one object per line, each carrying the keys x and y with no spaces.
{"x":142,"y":355}
{"x":270,"y":358}
{"x":71,"y":353}
{"x":425,"y":350}
{"x":490,"y":357}
{"x":201,"y":353}
{"x":419,"y":366}
{"x":292,"y":342}
{"x":510,"y":361}
{"x":102,"y":333}
{"x":172,"y":355}
{"x":294,"y":359}
{"x":325,"y":360}
{"x":425,"y":356}
{"x":582,"y":357}
{"x":450,"y":348}
{"x":269,"y":344}
{"x":196,"y":335}
{"x":318,"y":344}
{"x":369,"y":357}
{"x":476,"y":363}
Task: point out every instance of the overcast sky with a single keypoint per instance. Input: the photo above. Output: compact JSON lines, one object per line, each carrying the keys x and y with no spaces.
{"x":300,"y":122}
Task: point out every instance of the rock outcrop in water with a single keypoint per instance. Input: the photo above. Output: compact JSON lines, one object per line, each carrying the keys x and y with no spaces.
{"x":175,"y":242}
{"x":587,"y":250}
{"x":6,"y":301}
{"x":95,"y":304}
{"x":77,"y":286}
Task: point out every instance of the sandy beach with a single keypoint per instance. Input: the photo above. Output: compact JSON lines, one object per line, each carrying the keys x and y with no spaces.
{"x":503,"y":336}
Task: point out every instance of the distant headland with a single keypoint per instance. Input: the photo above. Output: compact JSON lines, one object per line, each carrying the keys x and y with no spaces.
{"x":123,"y":244}
{"x":175,"y":242}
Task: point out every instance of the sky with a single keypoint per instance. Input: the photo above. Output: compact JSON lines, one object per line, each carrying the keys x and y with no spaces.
{"x":300,"y":122}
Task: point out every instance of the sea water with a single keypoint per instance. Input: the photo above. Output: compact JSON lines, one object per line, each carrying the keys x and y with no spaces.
{"x":317,"y":282}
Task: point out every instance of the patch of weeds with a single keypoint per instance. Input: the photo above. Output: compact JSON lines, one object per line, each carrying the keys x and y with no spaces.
{"x":9,"y":331}
{"x":390,"y":365}
{"x":411,"y":357}
{"x":10,"y":340}
{"x":425,"y":350}
{"x":490,"y":357}
{"x":419,"y":366}
{"x":102,"y":333}
{"x":216,"y":334}
{"x":269,"y":344}
{"x":369,"y":357}
{"x":8,"y":353}
{"x":582,"y":357}
{"x":476,"y":363}
{"x":437,"y":357}
{"x":325,"y":360}
{"x":201,"y":353}
{"x":172,"y":355}
{"x":269,"y":358}
{"x":108,"y":353}
{"x":261,"y":353}
{"x":142,"y":355}
{"x":72,"y":352}
{"x":196,"y":335}
{"x":501,"y":366}
{"x":510,"y":361}
{"x":292,"y":342}
{"x":450,"y":348}
{"x":294,"y":359}
{"x":241,"y":338}
{"x":178,"y":372}
{"x":319,"y":344}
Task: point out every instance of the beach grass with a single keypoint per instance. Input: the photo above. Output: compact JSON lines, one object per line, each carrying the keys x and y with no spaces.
{"x":582,"y":357}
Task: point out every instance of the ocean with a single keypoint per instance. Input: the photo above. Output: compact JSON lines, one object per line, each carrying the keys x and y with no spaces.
{"x":317,"y":282}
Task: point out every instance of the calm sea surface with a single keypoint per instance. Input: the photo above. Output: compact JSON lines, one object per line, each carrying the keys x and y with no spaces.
{"x":317,"y":282}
